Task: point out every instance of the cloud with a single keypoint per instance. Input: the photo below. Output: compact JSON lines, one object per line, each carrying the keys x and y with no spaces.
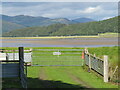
{"x":92,"y":9}
{"x":106,"y":18}
{"x":69,"y":10}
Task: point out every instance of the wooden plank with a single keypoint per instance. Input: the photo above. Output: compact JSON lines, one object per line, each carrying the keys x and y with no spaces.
{"x":15,"y":56}
{"x":27,"y":57}
{"x":10,"y":70}
{"x":2,"y":56}
{"x":105,"y":68}
{"x":10,"y":61}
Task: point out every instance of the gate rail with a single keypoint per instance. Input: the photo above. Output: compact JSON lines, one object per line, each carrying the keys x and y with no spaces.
{"x":57,"y":57}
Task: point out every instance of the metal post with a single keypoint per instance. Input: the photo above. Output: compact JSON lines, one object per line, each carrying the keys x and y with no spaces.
{"x":105,"y":68}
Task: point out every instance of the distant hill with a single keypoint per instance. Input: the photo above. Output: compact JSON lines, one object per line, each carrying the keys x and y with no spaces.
{"x":82,"y":20}
{"x":89,"y":28}
{"x":63,"y":21}
{"x":8,"y":26}
{"x":30,"y":21}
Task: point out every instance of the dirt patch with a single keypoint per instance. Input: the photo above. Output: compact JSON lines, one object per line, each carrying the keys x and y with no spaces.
{"x":76,"y":79}
{"x":79,"y":41}
{"x":42,"y":74}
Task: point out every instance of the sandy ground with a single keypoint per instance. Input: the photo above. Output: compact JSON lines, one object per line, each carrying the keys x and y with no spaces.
{"x":80,"y":41}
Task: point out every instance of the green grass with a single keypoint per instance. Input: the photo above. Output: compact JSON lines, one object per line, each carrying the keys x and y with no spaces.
{"x":109,"y":34}
{"x":11,"y":83}
{"x":50,"y":37}
{"x":60,"y":74}
{"x":90,"y":78}
{"x":112,"y":53}
{"x":62,"y":37}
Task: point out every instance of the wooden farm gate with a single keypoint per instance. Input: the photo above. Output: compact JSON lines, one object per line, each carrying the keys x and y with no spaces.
{"x":97,"y":64}
{"x":57,"y":57}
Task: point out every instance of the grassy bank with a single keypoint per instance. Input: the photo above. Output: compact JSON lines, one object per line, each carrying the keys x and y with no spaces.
{"x":113,"y":60}
{"x":112,"y":53}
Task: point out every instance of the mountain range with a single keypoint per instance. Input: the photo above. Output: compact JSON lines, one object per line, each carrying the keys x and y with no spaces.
{"x":58,"y":29}
{"x":21,"y":21}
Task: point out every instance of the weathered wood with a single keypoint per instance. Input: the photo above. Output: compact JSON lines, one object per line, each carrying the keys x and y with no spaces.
{"x":2,"y":56}
{"x":15,"y":56}
{"x":89,"y":62}
{"x":105,"y":68}
{"x":22,"y":75}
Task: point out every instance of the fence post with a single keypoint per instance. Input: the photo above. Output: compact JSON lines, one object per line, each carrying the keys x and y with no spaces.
{"x":89,"y":62}
{"x":21,"y":53}
{"x":21,"y":57}
{"x":105,"y":68}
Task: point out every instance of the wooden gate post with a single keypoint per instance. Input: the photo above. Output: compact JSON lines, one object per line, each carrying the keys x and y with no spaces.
{"x":21,"y":53}
{"x":21,"y":57}
{"x":89,"y":61}
{"x":105,"y":68}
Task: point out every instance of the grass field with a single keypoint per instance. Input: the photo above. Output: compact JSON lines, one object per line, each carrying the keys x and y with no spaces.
{"x":59,"y":77}
{"x":109,"y":35}
{"x":62,"y":37}
{"x":48,"y":37}
{"x":64,"y":77}
{"x":66,"y":58}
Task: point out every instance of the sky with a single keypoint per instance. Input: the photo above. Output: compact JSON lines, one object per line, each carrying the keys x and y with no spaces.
{"x":70,"y":10}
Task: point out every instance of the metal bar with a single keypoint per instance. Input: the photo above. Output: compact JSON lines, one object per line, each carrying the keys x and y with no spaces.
{"x":59,"y":61}
{"x":58,"y":49}
{"x":56,"y":65}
